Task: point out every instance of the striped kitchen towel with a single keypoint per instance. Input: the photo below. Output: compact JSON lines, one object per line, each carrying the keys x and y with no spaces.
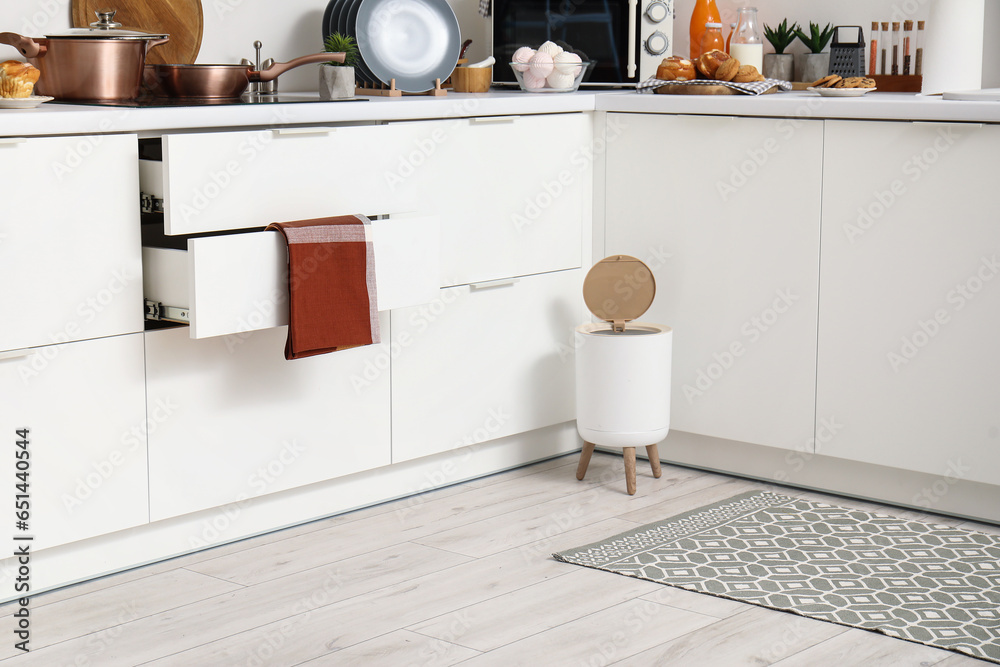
{"x":752,"y":88}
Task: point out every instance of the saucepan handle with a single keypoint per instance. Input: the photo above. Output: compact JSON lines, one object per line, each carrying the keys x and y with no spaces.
{"x":156,"y":42}
{"x":28,"y":47}
{"x":277,"y":69}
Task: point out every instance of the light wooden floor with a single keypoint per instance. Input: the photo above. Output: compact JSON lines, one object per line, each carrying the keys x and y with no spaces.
{"x":461,"y":575}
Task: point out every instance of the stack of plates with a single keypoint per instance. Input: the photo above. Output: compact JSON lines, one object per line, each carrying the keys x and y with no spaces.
{"x":411,"y":41}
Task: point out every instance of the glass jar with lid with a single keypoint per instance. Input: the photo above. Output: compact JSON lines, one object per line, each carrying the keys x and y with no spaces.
{"x":712,"y":39}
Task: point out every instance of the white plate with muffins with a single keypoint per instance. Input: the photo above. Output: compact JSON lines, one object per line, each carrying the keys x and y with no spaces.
{"x":17,"y":83}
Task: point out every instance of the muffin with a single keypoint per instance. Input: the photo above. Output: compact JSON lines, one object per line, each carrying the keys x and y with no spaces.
{"x":17,"y":79}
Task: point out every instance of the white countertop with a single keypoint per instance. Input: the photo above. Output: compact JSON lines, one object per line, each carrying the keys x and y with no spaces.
{"x":49,"y":118}
{"x":804,"y":104}
{"x":55,"y":119}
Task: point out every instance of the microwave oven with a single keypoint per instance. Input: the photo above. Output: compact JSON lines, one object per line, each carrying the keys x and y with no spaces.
{"x":626,"y":39}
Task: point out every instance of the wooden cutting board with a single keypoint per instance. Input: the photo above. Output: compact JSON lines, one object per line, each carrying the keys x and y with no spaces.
{"x":183,"y":20}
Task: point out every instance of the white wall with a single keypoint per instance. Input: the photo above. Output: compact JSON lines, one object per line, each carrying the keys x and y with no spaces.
{"x":848,"y":12}
{"x":291,"y":28}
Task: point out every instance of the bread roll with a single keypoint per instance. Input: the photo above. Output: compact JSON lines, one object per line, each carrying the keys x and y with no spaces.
{"x":709,"y":63}
{"x":17,"y":79}
{"x":676,"y":68}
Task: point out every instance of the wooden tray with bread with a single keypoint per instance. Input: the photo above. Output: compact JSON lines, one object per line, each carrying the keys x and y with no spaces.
{"x":714,"y":73}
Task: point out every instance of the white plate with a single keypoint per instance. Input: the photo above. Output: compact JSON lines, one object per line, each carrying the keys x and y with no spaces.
{"x":23,"y":102}
{"x":841,"y":92}
{"x":411,"y":41}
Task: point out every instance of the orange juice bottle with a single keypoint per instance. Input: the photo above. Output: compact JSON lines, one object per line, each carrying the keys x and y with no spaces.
{"x":704,"y":12}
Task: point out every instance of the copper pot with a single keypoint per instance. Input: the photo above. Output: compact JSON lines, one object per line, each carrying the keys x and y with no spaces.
{"x":99,"y":63}
{"x":220,"y":81}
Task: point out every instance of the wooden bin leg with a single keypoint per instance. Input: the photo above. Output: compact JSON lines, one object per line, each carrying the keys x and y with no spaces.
{"x":654,"y":460}
{"x":581,"y":469}
{"x":630,"y":470}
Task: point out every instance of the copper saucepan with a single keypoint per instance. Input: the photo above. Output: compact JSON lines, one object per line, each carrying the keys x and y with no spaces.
{"x":219,"y":81}
{"x":102,"y":62}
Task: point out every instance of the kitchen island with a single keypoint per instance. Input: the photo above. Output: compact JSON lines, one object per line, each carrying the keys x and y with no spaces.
{"x":150,"y":441}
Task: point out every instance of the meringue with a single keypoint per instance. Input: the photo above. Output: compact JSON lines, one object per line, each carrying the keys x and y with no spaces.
{"x":561,"y":81}
{"x":520,"y":59}
{"x":567,"y":62}
{"x":551,"y":48}
{"x":532,"y":82}
{"x":540,"y":64}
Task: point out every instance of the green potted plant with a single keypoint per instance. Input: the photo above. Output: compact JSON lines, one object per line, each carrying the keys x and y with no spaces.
{"x":815,"y":64}
{"x":780,"y":65}
{"x":336,"y":80}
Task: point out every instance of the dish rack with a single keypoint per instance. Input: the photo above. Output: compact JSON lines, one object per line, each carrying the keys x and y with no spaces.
{"x":390,"y":90}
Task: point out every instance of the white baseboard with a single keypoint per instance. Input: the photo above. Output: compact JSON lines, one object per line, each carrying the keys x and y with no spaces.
{"x":88,"y":559}
{"x":942,"y":494}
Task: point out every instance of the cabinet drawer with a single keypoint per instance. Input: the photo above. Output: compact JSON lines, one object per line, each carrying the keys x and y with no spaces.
{"x":512,"y":192}
{"x":84,"y":406}
{"x":244,"y":422}
{"x":483,"y":362}
{"x":237,"y":283}
{"x":234,"y":180}
{"x":69,"y":240}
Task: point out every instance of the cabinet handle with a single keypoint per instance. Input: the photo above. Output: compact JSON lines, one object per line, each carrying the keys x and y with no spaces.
{"x":485,"y":120}
{"x":631,"y":66}
{"x":942,"y":123}
{"x":12,"y":141}
{"x":15,"y":354}
{"x":695,"y":115}
{"x":293,"y":131}
{"x":491,"y":284}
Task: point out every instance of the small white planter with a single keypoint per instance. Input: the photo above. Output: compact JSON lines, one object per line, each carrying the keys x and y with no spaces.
{"x":336,"y":82}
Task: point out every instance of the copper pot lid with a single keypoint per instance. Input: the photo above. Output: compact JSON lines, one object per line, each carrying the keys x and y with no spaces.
{"x":105,"y":27}
{"x":619,"y":289}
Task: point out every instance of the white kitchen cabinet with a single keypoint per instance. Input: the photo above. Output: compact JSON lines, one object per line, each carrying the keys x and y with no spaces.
{"x":726,"y":212}
{"x":484,"y":361}
{"x":69,"y":239}
{"x":83,"y":404}
{"x":512,"y":192}
{"x":236,"y":283}
{"x":910,"y":297}
{"x":217,"y":181}
{"x":245,"y":422}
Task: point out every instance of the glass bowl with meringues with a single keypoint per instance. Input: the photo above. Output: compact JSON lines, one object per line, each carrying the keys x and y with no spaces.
{"x":549,"y":69}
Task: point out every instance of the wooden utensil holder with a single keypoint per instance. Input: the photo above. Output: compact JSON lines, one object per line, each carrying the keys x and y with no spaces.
{"x":471,"y":79}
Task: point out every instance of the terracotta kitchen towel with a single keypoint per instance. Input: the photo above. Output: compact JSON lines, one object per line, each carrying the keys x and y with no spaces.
{"x":331,"y":285}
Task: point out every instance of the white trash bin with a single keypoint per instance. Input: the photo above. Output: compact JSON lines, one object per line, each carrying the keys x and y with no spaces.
{"x":622,"y":366}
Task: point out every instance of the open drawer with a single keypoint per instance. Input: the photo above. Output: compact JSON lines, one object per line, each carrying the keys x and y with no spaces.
{"x":236,"y":283}
{"x":220,"y":181}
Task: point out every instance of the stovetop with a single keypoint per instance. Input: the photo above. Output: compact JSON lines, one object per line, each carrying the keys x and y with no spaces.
{"x":149,"y":102}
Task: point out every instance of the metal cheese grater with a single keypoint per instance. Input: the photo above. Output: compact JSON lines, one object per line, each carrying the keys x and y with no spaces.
{"x":847,"y":58}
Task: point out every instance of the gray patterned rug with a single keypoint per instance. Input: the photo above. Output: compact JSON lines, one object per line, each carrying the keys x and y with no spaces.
{"x":926,"y":583}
